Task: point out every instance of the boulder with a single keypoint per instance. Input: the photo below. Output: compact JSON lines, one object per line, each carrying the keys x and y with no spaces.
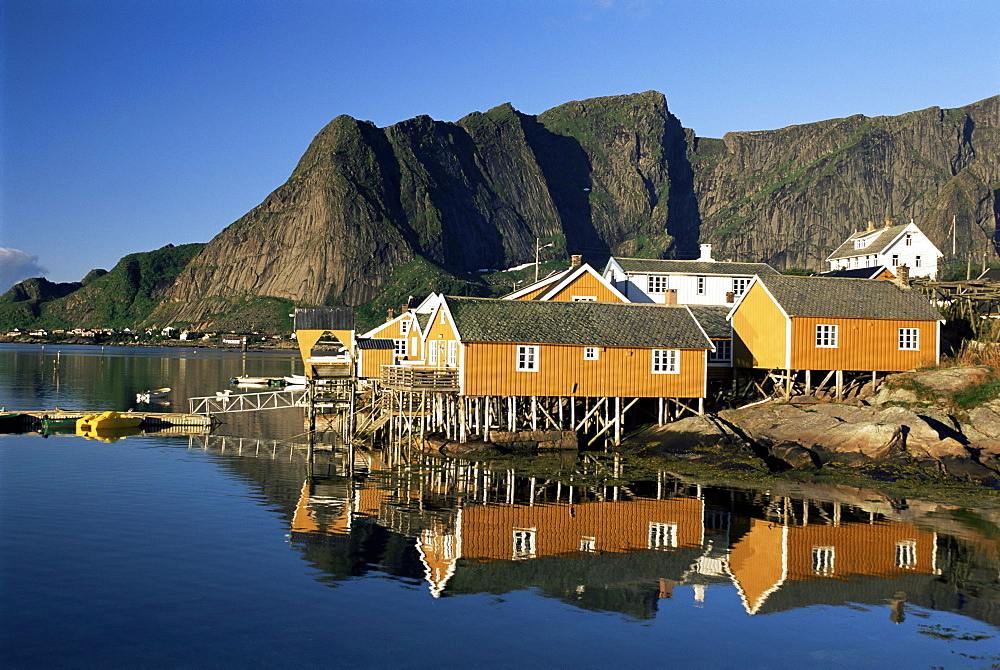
{"x":928,"y":386}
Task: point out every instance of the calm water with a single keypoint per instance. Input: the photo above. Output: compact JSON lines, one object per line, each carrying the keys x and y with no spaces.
{"x":245,"y":548}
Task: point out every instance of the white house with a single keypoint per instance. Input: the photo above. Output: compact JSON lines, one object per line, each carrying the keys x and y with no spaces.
{"x":891,"y":246}
{"x":701,"y":282}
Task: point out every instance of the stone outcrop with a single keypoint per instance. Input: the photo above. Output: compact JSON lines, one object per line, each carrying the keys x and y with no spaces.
{"x":799,"y":434}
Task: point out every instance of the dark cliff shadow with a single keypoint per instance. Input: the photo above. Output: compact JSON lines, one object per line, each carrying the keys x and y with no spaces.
{"x":683,"y":213}
{"x":567,"y":171}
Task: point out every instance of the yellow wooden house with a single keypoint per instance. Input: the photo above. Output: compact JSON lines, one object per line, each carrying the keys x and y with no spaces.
{"x":823,"y":323}
{"x":569,"y":349}
{"x":580,"y":283}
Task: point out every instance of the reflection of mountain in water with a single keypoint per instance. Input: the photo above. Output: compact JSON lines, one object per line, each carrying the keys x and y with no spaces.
{"x":464,"y":528}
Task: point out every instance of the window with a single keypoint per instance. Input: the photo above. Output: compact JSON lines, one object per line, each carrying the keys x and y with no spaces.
{"x":527,"y":359}
{"x":400,"y":346}
{"x":404,"y":326}
{"x":701,"y":285}
{"x":906,"y":554}
{"x":822,"y":560}
{"x":415,"y":346}
{"x":432,"y":354}
{"x":662,"y":535}
{"x":666,"y":361}
{"x":826,"y":335}
{"x":723,"y":351}
{"x":657,"y":284}
{"x":588,"y":544}
{"x":916,"y":261}
{"x":860,"y":244}
{"x":591,"y":353}
{"x":895,"y":261}
{"x":740,"y":285}
{"x":524,"y":544}
{"x":585,"y":298}
{"x":452,"y":353}
{"x":908,"y":240}
{"x":909,"y":338}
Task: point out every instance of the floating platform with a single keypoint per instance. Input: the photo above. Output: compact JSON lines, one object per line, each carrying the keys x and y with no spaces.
{"x":32,"y":419}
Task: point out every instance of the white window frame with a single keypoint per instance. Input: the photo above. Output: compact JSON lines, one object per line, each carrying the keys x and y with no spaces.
{"x":656,"y":284}
{"x":906,"y":554}
{"x":404,"y":327}
{"x":908,"y":240}
{"x":909,"y":339}
{"x":432,"y":353}
{"x":916,"y":261}
{"x":665,"y":361}
{"x":527,"y":358}
{"x":662,"y":535}
{"x":523,"y":544}
{"x":452,"y":353}
{"x":895,"y":261}
{"x":585,"y":298}
{"x":723,"y":352}
{"x":591,"y":353}
{"x":414,"y":346}
{"x":701,"y":284}
{"x":588,"y":544}
{"x":401,"y":346}
{"x":740,"y":285}
{"x":827,"y":335}
{"x":824,"y":560}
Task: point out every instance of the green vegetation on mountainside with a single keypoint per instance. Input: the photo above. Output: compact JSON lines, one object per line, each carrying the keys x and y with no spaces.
{"x":121,"y":298}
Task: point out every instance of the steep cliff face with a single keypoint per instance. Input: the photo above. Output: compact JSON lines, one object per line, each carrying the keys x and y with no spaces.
{"x":790,"y":196}
{"x":364,"y":202}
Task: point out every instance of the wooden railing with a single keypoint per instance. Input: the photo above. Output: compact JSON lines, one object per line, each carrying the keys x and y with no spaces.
{"x":411,"y":377}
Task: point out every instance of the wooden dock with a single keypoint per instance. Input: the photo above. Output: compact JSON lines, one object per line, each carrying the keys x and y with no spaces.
{"x":33,"y":418}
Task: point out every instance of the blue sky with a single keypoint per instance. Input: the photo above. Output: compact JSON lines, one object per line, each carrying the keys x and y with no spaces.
{"x":131,"y":124}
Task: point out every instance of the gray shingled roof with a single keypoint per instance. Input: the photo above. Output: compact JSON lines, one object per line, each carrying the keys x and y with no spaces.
{"x":661,"y":266}
{"x":584,"y":323}
{"x":375,"y":343}
{"x":848,"y":298}
{"x":857,"y":273}
{"x":713,"y":319}
{"x":877,"y":246}
{"x":422,"y":319}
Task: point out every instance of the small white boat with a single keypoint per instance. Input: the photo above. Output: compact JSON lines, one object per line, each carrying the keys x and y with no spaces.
{"x":224,"y":394}
{"x":296,"y":380}
{"x":152,"y":395}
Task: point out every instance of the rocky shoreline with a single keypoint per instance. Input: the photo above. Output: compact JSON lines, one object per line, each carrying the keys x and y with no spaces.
{"x":909,"y":428}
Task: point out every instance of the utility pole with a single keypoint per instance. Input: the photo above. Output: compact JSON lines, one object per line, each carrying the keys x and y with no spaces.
{"x":537,"y":249}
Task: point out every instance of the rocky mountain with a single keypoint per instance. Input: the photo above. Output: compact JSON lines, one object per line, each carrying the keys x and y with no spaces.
{"x":790,"y":196}
{"x":381,"y":212}
{"x":372,"y":215}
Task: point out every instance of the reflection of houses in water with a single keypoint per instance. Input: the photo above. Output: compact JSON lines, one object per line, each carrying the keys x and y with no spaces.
{"x":772,"y":555}
{"x":462,"y":528}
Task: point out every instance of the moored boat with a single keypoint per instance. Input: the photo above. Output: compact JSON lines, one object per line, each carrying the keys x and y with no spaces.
{"x":152,"y":395}
{"x":60,"y":422}
{"x":11,"y":422}
{"x":106,"y":421}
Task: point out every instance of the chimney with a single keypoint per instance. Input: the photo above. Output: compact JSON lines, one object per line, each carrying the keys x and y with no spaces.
{"x":706,"y":253}
{"x":871,"y":226}
{"x":403,"y":309}
{"x":888,"y":222}
{"x":902,"y":276}
{"x":730,"y":297}
{"x":575,"y":261}
{"x":670,"y":296}
{"x":391,"y":314}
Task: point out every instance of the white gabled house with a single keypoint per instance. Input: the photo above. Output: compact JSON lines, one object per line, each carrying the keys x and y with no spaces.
{"x":700,"y":282}
{"x":892,"y":246}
